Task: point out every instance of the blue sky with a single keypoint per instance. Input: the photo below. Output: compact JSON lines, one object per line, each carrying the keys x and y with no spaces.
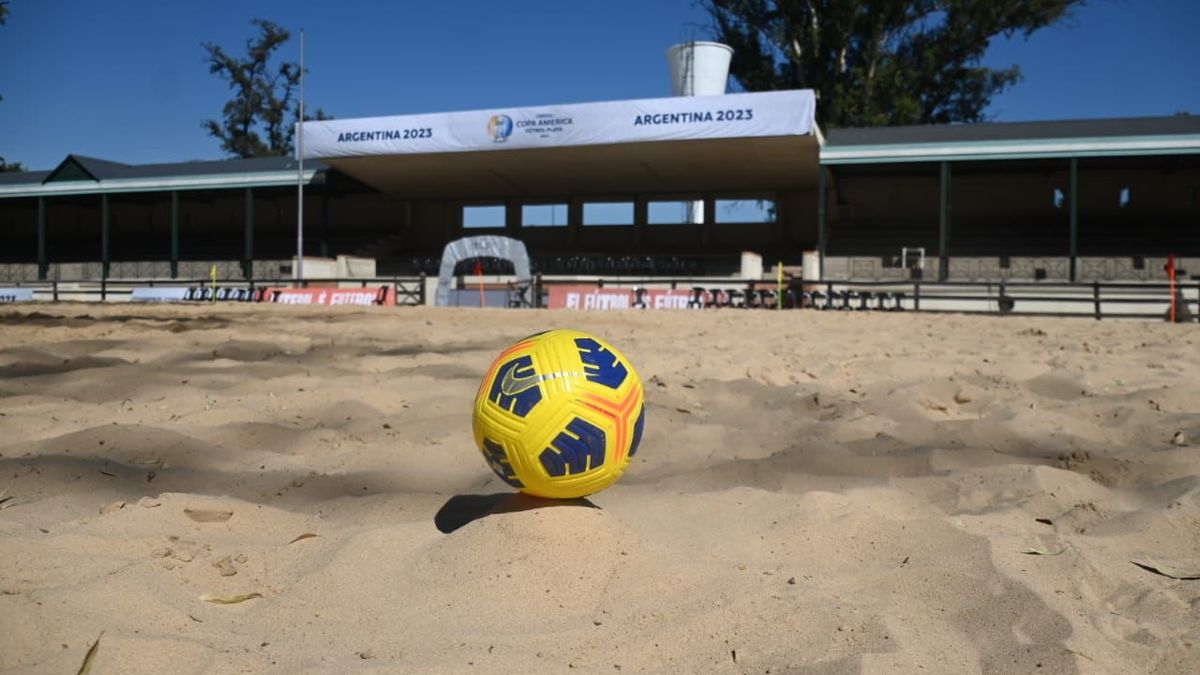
{"x":125,"y":79}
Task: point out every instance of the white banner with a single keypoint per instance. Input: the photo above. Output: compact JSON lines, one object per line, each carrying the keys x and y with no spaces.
{"x":774,"y":113}
{"x":159,"y":294}
{"x":8,"y":295}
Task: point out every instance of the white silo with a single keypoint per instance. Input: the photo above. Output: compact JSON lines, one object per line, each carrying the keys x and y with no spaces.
{"x":698,"y":69}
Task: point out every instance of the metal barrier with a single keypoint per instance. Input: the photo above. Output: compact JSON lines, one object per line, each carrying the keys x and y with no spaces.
{"x":409,"y":291}
{"x":1099,"y":300}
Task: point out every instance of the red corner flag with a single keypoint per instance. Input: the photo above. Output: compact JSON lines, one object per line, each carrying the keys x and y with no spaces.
{"x":1170,"y":267}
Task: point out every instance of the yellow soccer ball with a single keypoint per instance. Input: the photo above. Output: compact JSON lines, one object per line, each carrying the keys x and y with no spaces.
{"x":559,"y":414}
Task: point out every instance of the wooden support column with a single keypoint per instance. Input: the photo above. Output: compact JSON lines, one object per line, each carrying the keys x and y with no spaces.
{"x":104,"y":236}
{"x":710,"y":221}
{"x":174,"y":234}
{"x":1074,"y":218}
{"x":248,"y":255}
{"x":325,"y":216}
{"x":944,"y":222}
{"x":43,"y":261}
{"x":512,"y":219}
{"x":641,"y":215}
{"x":822,"y":228}
{"x":782,"y":223}
{"x":574,"y":221}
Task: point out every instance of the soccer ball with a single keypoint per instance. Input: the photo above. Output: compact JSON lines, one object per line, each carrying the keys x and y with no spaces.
{"x":559,"y":414}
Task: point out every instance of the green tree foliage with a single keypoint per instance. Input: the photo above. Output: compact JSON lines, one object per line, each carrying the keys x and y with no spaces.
{"x":259,"y":120}
{"x":3,"y":19}
{"x":879,"y":62}
{"x":6,"y":166}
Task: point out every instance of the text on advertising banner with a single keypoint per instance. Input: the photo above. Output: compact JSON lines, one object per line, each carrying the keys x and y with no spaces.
{"x":591,"y":297}
{"x":381,"y":295}
{"x":771,"y":113}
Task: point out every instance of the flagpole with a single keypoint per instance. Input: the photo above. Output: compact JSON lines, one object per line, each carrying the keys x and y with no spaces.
{"x":300,"y":174}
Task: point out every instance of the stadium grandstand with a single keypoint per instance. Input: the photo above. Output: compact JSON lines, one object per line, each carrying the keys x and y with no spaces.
{"x":680,"y":186}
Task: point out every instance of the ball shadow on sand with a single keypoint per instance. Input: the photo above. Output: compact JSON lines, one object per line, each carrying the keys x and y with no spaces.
{"x":460,"y":510}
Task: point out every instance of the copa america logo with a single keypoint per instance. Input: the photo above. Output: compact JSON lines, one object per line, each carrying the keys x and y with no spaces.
{"x":500,"y":127}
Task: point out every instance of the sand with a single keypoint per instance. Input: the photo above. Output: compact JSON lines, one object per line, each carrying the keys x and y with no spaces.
{"x":816,"y":492}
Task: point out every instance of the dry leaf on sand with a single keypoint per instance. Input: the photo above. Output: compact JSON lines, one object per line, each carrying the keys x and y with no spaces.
{"x":1151,"y":565}
{"x":1043,"y":551}
{"x":229,"y":599}
{"x":86,"y":666}
{"x":208,"y":515}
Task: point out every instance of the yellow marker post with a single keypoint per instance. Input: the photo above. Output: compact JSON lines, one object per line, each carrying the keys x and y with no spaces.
{"x":779,"y":285}
{"x":213,"y":273}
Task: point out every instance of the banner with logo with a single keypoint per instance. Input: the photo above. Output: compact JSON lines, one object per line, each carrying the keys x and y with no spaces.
{"x":773,"y":113}
{"x":592,"y":297}
{"x":381,"y":295}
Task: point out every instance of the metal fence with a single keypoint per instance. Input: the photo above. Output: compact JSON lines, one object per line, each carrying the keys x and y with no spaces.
{"x":409,"y":291}
{"x":1099,"y":300}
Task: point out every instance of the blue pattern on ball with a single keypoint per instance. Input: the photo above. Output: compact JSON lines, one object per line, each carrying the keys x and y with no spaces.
{"x":572,"y":448}
{"x":599,"y":364}
{"x":498,"y":459}
{"x":637,"y":431}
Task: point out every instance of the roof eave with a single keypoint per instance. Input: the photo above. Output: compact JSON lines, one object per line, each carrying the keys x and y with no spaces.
{"x":1000,"y":150}
{"x":167,"y":184}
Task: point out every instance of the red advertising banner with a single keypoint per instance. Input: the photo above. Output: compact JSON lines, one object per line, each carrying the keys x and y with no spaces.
{"x":592,"y":297}
{"x":381,"y":295}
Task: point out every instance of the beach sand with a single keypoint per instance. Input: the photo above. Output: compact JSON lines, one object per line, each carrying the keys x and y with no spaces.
{"x":816,"y":492}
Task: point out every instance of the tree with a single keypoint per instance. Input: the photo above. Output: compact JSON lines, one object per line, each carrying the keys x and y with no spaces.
{"x":879,"y":62}
{"x":3,"y":19}
{"x":6,"y":166}
{"x":259,"y":120}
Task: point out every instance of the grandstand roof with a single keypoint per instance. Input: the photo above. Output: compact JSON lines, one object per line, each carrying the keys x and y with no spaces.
{"x":687,"y":165}
{"x":1014,"y":140}
{"x":78,"y":174}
